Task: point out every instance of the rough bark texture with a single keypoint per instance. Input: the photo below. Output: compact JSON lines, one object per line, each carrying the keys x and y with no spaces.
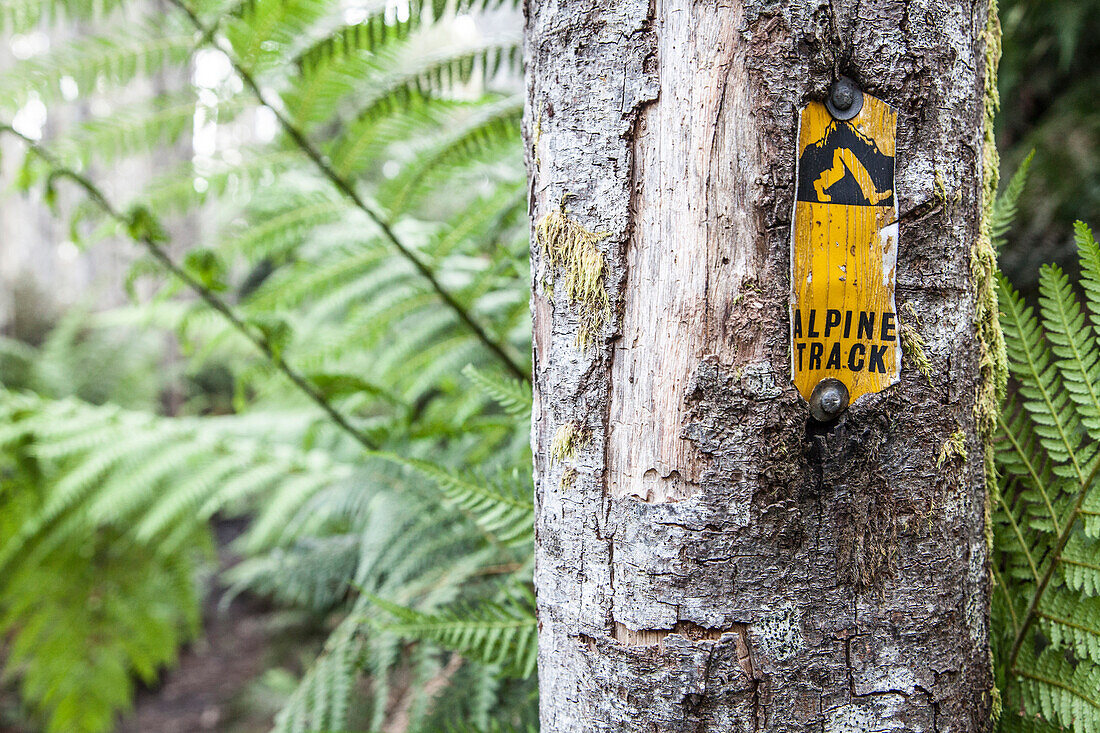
{"x":707,"y":559}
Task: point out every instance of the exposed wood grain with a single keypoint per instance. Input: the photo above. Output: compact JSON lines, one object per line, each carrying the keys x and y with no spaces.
{"x":692,"y":251}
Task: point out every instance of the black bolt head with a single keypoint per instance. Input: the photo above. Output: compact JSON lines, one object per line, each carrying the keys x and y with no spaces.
{"x":828,"y":400}
{"x":843,"y":94}
{"x":845,"y":99}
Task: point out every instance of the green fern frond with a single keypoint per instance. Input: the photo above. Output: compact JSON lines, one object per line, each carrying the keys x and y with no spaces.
{"x":488,"y":136}
{"x":279,"y":232}
{"x":512,"y":395}
{"x":130,"y":486}
{"x":365,"y":328}
{"x":492,"y":633}
{"x":355,"y":276}
{"x":427,"y":63}
{"x":73,"y":488}
{"x":366,"y":142}
{"x":407,"y":547}
{"x":1013,"y":721}
{"x":333,"y":65}
{"x":1046,"y":548}
{"x":111,"y":604}
{"x":1080,"y":562}
{"x":292,"y":492}
{"x":320,"y":701}
{"x":175,"y":192}
{"x":503,"y":509}
{"x":20,"y":16}
{"x":1041,"y":387}
{"x":1062,"y":692}
{"x":1088,"y":253}
{"x":1020,"y":456}
{"x":1072,"y":623}
{"x":111,"y":466}
{"x":314,"y":573}
{"x":1073,"y":341}
{"x":1004,"y":206}
{"x":187,"y":496}
{"x":490,"y":219}
{"x":140,"y":128}
{"x":364,"y":37}
{"x":263,"y":33}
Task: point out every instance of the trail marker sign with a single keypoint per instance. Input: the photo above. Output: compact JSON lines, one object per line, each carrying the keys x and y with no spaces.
{"x":844,"y":244}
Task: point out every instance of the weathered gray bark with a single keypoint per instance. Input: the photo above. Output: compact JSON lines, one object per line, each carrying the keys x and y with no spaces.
{"x":707,"y":560}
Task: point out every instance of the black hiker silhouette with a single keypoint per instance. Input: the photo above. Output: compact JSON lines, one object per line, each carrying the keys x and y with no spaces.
{"x":844,"y":167}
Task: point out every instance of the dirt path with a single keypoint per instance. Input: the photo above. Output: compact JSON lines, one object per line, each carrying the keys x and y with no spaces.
{"x":201,"y":693}
{"x":204,"y":691}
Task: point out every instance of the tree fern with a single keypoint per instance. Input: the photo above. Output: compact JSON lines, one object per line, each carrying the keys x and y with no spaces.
{"x":303,"y":266}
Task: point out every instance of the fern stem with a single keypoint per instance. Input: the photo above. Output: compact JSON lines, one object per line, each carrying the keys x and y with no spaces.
{"x":1039,"y":484}
{"x":1070,"y":623}
{"x":1079,"y":563}
{"x":1008,"y":598}
{"x":1056,"y":556}
{"x":208,"y":296}
{"x":345,"y":188}
{"x":1054,"y":683}
{"x":1020,"y":537}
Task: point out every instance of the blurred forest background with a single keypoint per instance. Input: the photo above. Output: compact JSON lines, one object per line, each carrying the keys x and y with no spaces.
{"x":263,"y":302}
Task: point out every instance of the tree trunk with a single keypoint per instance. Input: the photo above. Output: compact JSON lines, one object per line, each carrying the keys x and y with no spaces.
{"x":709,"y":558}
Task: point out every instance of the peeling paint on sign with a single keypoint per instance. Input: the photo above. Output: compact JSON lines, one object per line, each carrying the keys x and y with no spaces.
{"x":844,"y":246}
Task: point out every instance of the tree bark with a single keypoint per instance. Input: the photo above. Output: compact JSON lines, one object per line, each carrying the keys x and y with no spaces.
{"x":709,"y":559}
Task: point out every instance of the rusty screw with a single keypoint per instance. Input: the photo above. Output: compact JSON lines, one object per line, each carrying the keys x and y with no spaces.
{"x":828,"y":400}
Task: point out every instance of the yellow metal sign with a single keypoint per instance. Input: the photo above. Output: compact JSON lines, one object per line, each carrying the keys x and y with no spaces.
{"x":844,"y":251}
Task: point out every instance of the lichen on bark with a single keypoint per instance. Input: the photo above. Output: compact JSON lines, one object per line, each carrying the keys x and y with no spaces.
{"x":567,"y":244}
{"x":912,"y":343}
{"x":994,"y":360}
{"x":993,"y":364}
{"x":953,"y":447}
{"x":567,"y":438}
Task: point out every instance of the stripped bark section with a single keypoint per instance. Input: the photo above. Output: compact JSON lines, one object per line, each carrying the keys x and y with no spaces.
{"x":693,"y":250}
{"x":657,"y":637}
